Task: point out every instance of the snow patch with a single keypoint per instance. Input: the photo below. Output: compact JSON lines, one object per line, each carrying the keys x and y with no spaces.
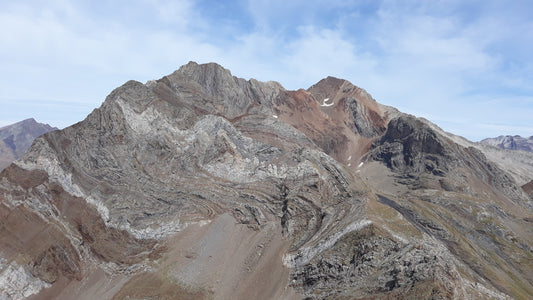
{"x":275,"y":116}
{"x":350,"y":158}
{"x":360,"y":164}
{"x":325,"y":104}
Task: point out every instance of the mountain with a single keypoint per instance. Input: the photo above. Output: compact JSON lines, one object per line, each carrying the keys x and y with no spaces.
{"x":510,"y":142}
{"x":15,"y":139}
{"x":202,"y":185}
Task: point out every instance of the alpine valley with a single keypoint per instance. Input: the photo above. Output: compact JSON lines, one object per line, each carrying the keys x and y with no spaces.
{"x":202,"y":185}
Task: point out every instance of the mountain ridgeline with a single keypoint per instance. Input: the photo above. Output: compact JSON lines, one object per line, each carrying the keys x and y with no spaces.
{"x":511,"y":142}
{"x":202,"y":185}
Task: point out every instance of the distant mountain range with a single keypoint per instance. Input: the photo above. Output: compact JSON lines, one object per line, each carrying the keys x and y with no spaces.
{"x":15,"y":139}
{"x":511,"y":142}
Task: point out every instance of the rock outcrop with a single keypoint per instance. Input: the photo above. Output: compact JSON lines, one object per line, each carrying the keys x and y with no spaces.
{"x":204,"y":185}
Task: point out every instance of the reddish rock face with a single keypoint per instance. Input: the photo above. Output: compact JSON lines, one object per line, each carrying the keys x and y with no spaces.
{"x":202,"y":185}
{"x":51,"y":244}
{"x":344,"y":125}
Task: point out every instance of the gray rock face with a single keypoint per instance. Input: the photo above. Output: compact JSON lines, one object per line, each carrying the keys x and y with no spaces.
{"x":410,"y":146}
{"x":205,"y":185}
{"x":510,"y":142}
{"x":414,"y":150}
{"x":383,"y":265}
{"x":15,"y":139}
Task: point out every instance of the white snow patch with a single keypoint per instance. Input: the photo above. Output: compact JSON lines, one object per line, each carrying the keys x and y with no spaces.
{"x":349,"y":165}
{"x":17,"y":283}
{"x":350,"y":158}
{"x":324,"y":102}
{"x":360,"y":164}
{"x":304,"y":255}
{"x":275,"y":116}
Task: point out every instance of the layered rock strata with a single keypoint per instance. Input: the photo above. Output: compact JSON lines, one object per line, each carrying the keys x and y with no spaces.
{"x":204,"y":185}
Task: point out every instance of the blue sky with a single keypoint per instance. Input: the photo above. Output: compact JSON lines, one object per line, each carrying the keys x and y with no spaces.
{"x":465,"y":65}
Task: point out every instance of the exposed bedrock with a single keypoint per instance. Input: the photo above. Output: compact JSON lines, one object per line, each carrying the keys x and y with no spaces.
{"x":205,"y":185}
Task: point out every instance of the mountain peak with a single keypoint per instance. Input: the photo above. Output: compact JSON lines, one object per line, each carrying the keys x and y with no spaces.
{"x":510,"y":142}
{"x":205,"y":70}
{"x":320,"y":193}
{"x":16,"y":138}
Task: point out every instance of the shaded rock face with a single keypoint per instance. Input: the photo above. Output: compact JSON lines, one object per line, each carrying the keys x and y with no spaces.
{"x":382,"y":265}
{"x":15,"y":139}
{"x":205,"y":186}
{"x":528,"y":188}
{"x":510,"y":142}
{"x":410,"y":146}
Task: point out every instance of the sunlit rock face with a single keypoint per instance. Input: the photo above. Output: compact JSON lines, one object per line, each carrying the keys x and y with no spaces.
{"x":201,"y":185}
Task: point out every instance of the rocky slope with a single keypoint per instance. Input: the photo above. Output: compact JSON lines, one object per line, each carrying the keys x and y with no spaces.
{"x":510,"y":142}
{"x":201,"y":185}
{"x":15,"y":139}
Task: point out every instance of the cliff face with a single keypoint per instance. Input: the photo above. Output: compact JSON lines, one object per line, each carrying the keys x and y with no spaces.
{"x":15,"y":139}
{"x":204,"y":185}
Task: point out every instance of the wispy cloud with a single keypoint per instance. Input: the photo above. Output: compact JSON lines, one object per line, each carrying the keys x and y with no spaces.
{"x":459,"y":64}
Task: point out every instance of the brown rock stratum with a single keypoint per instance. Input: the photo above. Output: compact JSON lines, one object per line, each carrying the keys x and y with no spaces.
{"x":201,"y":185}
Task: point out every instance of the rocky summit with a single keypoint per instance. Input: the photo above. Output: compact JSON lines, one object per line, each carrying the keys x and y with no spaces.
{"x":202,"y":185}
{"x":511,"y":142}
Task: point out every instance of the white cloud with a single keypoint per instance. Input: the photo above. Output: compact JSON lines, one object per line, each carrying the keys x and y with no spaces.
{"x":315,"y":54}
{"x":443,"y":60}
{"x":178,"y":12}
{"x":52,"y":44}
